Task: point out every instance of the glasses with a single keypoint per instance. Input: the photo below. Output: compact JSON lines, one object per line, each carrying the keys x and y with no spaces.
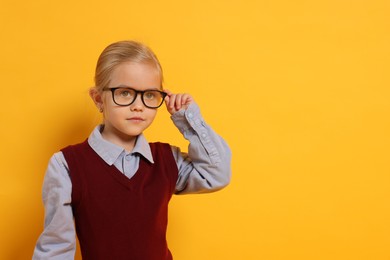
{"x":126,"y":96}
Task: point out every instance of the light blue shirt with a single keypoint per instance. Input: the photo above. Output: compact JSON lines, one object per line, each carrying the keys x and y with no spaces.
{"x":205,"y":168}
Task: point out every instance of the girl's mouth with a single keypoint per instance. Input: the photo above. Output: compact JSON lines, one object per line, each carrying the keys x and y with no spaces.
{"x":136,"y":119}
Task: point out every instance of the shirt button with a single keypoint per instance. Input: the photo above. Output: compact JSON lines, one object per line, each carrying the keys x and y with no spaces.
{"x":128,"y":158}
{"x":190,"y":115}
{"x":204,"y":135}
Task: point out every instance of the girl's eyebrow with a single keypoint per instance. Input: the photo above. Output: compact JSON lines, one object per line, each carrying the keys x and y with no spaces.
{"x":126,"y":86}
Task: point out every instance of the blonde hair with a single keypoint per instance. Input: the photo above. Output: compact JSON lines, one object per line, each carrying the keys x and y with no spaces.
{"x":118,"y":53}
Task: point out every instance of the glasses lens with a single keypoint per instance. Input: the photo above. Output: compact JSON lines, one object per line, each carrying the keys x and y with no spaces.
{"x":152,"y":98}
{"x":124,"y":96}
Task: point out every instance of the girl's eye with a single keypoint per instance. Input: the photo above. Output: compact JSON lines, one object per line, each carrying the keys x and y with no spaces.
{"x":150,"y":95}
{"x":125,"y":93}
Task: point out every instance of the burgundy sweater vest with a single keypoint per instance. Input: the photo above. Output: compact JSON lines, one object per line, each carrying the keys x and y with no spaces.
{"x":116,"y":217}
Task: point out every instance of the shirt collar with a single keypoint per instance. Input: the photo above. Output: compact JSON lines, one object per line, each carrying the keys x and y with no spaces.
{"x":110,"y":152}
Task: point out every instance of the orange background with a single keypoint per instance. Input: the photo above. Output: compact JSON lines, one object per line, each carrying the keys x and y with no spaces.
{"x":299,"y":89}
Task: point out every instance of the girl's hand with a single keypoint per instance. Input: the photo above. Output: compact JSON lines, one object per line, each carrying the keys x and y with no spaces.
{"x":176,"y":102}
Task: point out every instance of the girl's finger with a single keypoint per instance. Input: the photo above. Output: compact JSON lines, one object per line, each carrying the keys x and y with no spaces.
{"x":172,"y":101}
{"x":179,"y":100}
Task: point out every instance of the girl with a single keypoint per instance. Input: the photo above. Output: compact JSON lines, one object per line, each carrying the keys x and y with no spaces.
{"x":115,"y":185}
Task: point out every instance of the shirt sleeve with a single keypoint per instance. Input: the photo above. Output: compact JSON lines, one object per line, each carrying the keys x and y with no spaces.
{"x":58,"y":239}
{"x":207,"y":165}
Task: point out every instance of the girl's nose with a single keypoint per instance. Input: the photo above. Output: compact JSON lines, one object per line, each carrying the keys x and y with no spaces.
{"x":137,"y":105}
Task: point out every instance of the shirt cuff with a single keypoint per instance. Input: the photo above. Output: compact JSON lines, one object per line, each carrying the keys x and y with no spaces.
{"x":193,"y":127}
{"x":187,"y":119}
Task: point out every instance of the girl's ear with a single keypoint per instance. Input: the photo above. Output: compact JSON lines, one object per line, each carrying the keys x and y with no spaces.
{"x":97,"y":98}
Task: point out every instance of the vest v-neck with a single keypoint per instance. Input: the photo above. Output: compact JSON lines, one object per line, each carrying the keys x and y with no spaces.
{"x":122,"y":178}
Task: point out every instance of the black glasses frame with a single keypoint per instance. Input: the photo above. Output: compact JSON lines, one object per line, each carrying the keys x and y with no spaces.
{"x":142,"y":92}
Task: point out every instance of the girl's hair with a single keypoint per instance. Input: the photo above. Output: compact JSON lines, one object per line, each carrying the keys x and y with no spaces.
{"x":118,"y":53}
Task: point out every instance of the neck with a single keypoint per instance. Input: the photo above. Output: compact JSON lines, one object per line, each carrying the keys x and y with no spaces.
{"x":118,"y":138}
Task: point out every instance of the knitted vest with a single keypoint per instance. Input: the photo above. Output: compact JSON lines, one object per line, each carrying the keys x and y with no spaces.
{"x":116,"y":217}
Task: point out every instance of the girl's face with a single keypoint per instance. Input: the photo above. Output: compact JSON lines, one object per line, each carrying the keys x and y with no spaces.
{"x":125,"y":123}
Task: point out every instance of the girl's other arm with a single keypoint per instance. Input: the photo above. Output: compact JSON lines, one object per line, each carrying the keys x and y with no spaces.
{"x":58,"y":239}
{"x":206,"y":166}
